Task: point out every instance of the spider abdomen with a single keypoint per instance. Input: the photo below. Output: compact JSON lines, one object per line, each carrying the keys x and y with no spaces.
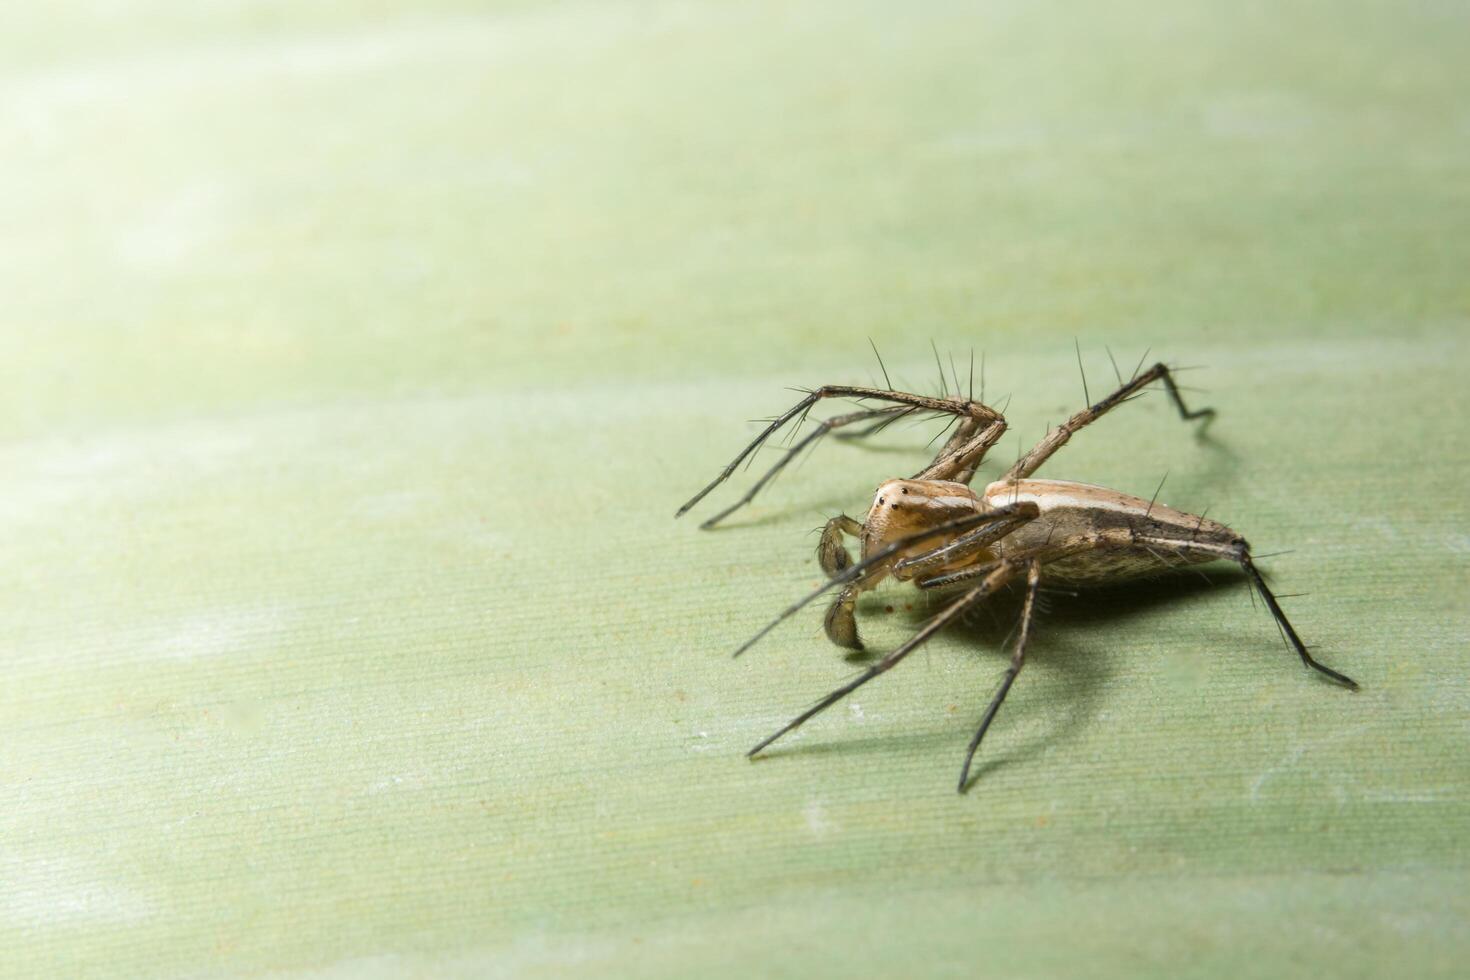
{"x":1090,"y":535}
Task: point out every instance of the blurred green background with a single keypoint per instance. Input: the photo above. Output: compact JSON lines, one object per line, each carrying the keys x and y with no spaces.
{"x":355,"y":356}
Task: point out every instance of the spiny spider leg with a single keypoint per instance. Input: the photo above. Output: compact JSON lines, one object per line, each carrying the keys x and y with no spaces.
{"x":995,"y":425}
{"x":1018,"y":657}
{"x":969,"y":544}
{"x":840,"y":623}
{"x":1285,"y":624}
{"x":1240,"y":554}
{"x":874,"y":561}
{"x":871,"y":430}
{"x":962,"y":434}
{"x":961,"y":471}
{"x":992,"y":582}
{"x":961,"y":456}
{"x":1058,"y":437}
{"x":825,"y":426}
{"x":946,"y":579}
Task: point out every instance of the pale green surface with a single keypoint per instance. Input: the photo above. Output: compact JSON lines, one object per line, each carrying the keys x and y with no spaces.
{"x":353,"y":360}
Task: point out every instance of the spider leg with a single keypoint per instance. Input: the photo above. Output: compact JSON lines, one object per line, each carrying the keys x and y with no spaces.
{"x":1239,"y":552}
{"x":994,"y":581}
{"x":965,"y":472}
{"x":969,"y":544}
{"x":825,"y":426}
{"x":962,"y":454}
{"x":872,"y":430}
{"x":1018,"y":657}
{"x":832,"y":554}
{"x":1047,"y":553}
{"x":962,"y":434}
{"x":1058,"y":437}
{"x":1285,"y":624}
{"x":840,"y":623}
{"x":992,"y":420}
{"x":872,"y":568}
{"x":945,"y":466}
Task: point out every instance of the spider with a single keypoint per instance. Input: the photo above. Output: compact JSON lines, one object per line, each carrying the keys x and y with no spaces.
{"x":937,"y":532}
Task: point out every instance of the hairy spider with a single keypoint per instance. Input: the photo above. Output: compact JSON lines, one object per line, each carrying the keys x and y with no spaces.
{"x":935,"y":531}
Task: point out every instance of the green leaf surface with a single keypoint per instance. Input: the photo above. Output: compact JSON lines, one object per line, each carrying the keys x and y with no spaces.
{"x":355,"y":357}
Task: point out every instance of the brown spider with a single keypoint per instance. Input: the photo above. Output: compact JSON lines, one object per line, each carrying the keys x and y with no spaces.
{"x":934,"y":530}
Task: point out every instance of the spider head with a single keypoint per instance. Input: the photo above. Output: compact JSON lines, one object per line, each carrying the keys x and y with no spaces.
{"x":904,"y":507}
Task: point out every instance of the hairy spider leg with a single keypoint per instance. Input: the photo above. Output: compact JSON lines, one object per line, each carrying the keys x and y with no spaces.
{"x":1018,"y":657}
{"x":963,"y":433}
{"x":961,"y":456}
{"x":1240,"y":554}
{"x":964,"y":473}
{"x":876,"y":563}
{"x":989,"y":434}
{"x":1057,"y":438}
{"x":851,"y":436}
{"x":840,"y":623}
{"x":889,"y":415}
{"x":968,"y":545}
{"x":1002,"y":574}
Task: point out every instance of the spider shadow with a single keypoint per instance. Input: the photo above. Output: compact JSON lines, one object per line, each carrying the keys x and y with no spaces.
{"x":1074,"y":670}
{"x":1063,"y":639}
